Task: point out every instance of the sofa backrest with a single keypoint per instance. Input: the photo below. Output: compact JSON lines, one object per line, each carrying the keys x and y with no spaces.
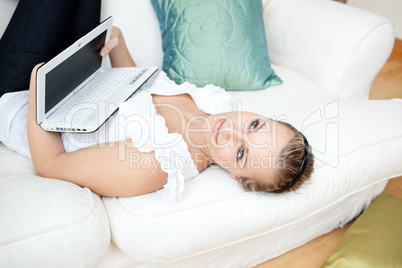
{"x":140,"y":28}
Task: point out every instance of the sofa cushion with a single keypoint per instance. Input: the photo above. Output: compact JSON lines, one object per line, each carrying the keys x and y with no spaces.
{"x":215,"y":42}
{"x":215,"y":217}
{"x":374,"y":239}
{"x":47,"y":222}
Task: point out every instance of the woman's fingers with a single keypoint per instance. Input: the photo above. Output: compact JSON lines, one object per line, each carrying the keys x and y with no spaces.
{"x":109,"y":47}
{"x":113,"y":42}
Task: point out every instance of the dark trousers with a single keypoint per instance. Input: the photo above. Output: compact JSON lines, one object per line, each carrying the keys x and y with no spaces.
{"x":38,"y":31}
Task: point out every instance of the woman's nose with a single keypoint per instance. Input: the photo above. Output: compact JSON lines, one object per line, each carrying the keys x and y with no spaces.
{"x":232,"y":136}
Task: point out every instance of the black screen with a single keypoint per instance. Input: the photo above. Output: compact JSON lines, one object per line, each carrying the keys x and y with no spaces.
{"x":73,"y":71}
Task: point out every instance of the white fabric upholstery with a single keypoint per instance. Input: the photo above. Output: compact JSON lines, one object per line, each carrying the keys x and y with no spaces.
{"x":323,"y":51}
{"x":138,"y":19}
{"x":46,"y":222}
{"x":338,"y":47}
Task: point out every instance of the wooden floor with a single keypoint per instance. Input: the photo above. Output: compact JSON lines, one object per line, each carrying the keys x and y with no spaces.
{"x":387,"y":85}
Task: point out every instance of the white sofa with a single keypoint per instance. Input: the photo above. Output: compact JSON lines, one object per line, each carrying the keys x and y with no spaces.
{"x":327,"y":54}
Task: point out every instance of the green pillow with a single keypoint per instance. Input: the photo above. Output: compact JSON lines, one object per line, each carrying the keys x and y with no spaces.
{"x":220,"y":42}
{"x":374,"y":239}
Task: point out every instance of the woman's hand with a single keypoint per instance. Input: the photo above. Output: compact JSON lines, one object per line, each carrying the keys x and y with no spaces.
{"x":117,"y":49}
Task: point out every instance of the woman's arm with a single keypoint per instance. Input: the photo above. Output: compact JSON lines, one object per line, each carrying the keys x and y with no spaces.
{"x":117,"y":49}
{"x":113,"y":169}
{"x":120,"y":57}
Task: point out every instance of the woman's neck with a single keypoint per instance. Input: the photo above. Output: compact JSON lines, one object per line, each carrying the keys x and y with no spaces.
{"x":194,"y":135}
{"x":182,"y":116}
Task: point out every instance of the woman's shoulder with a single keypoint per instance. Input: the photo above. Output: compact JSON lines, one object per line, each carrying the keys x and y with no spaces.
{"x":209,"y":98}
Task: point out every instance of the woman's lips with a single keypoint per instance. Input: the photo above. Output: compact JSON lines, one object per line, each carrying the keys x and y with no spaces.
{"x":217,"y":128}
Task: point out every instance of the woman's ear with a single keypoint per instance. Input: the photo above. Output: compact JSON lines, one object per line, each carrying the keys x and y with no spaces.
{"x":234,"y":177}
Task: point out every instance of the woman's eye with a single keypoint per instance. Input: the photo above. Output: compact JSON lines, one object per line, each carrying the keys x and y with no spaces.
{"x":254,"y":125}
{"x":240,"y":153}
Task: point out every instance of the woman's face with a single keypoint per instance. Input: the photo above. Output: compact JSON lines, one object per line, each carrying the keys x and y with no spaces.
{"x":247,"y":144}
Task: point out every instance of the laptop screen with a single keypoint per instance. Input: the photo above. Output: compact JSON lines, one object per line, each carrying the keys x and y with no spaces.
{"x":69,"y":74}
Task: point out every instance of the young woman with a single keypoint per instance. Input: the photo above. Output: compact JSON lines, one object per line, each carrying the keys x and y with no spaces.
{"x":166,"y":134}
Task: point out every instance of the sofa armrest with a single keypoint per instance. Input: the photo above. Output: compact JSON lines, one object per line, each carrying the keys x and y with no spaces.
{"x":338,"y":47}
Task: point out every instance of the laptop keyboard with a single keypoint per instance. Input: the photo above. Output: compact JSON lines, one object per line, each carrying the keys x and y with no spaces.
{"x":85,"y":104}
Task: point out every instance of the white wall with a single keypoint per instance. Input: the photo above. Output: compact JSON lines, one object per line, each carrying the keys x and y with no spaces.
{"x":391,"y":9}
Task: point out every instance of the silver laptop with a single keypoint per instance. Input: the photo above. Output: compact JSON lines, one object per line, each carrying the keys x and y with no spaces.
{"x":77,"y":92}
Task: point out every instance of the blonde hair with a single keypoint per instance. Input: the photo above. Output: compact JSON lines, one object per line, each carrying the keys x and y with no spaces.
{"x":294,"y":158}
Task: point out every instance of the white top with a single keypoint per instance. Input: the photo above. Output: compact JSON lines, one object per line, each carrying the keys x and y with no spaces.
{"x":136,"y":120}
